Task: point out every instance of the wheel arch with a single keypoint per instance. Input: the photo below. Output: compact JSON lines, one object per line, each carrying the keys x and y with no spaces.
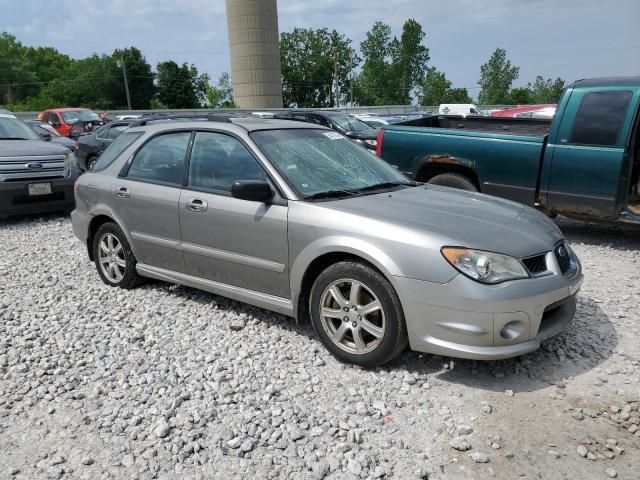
{"x":98,"y":219}
{"x":315,"y":258}
{"x":431,"y":165}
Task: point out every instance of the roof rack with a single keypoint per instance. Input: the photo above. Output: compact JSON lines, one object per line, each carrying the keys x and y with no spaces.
{"x":209,"y":117}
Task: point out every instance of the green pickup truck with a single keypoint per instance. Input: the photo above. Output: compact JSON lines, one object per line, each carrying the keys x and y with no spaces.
{"x":584,"y":163}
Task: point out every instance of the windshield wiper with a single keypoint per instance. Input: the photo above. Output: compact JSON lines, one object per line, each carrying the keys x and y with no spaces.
{"x":383,"y":185}
{"x":330,"y":194}
{"x":12,"y":138}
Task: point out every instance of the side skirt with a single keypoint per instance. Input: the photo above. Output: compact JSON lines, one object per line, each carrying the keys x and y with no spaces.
{"x":262,"y":300}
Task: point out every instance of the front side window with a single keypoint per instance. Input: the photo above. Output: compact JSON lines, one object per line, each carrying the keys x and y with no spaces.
{"x":317,"y":161}
{"x":114,"y":150}
{"x":218,"y":160}
{"x":161,"y":159}
{"x":600,"y":118}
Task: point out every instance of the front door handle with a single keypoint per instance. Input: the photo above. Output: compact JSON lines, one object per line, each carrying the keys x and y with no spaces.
{"x":197,"y":205}
{"x":123,"y":192}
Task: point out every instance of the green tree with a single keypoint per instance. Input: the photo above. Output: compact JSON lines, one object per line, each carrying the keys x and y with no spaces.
{"x":180,"y":86}
{"x":546,"y":91}
{"x":139,"y":76}
{"x":393,"y":68}
{"x":436,"y":89}
{"x":221,"y":94}
{"x":15,"y":70}
{"x":496,"y":78}
{"x":312,"y":62}
{"x":520,"y":96}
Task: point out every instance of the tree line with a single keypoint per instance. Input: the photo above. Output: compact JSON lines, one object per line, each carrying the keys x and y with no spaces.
{"x":36,"y":78}
{"x":320,"y":68}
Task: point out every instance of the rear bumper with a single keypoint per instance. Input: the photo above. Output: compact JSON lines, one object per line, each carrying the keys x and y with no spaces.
{"x":15,"y":198}
{"x":466,"y":319}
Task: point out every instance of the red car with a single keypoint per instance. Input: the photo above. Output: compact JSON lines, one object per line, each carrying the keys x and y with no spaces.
{"x":71,"y":122}
{"x":528,"y":111}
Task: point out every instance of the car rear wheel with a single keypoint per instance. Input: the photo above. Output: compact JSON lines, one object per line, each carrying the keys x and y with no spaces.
{"x":91,"y":163}
{"x":454,"y":180}
{"x":114,"y":258}
{"x":357,"y":314}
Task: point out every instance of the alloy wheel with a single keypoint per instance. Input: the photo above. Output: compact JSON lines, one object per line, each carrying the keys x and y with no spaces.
{"x":111,"y":258}
{"x":352,"y":316}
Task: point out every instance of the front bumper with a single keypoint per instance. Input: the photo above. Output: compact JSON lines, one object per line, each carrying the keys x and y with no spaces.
{"x":467,"y":319}
{"x":15,"y":198}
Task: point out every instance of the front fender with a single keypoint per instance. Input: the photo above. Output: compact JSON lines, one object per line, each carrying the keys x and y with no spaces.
{"x":341,"y":244}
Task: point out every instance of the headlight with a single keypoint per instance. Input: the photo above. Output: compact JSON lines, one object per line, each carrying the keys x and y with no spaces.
{"x":70,"y":163}
{"x":485,"y":267}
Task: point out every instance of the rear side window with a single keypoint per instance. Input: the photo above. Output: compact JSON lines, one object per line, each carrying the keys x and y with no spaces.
{"x":114,"y":150}
{"x":600,"y":117}
{"x":161,"y":159}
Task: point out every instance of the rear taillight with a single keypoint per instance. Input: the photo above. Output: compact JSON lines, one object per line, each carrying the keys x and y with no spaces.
{"x":379,"y":143}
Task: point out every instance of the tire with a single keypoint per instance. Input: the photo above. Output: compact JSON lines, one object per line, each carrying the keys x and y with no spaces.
{"x":454,"y":180}
{"x":90,"y":163}
{"x":112,"y":253}
{"x":382,"y":332}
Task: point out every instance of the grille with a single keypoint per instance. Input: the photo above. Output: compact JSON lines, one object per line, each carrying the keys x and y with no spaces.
{"x":562,"y":255}
{"x":16,"y":168}
{"x":536,"y":264}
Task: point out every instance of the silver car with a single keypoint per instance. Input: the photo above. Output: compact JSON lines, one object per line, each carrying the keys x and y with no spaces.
{"x":297,"y":219}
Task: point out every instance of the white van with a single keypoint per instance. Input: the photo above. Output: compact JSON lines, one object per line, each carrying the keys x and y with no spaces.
{"x":463,"y":109}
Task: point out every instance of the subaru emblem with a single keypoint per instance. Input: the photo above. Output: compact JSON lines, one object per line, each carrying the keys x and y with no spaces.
{"x":34,"y":166}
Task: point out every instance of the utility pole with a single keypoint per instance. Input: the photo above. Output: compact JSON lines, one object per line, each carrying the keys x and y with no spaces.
{"x":351,"y":78}
{"x":335,"y":74}
{"x":126,"y":83}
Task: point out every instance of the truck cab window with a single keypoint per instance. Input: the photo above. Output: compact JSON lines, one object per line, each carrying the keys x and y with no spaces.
{"x":600,"y":117}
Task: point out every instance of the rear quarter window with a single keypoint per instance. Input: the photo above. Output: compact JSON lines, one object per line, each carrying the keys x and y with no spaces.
{"x":114,"y":150}
{"x":600,"y":118}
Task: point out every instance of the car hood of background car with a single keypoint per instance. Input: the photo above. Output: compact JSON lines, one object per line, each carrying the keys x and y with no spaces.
{"x":19,"y":148}
{"x":459,"y":218}
{"x":365,"y":135}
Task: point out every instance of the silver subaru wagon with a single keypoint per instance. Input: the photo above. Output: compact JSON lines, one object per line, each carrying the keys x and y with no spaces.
{"x":297,"y":219}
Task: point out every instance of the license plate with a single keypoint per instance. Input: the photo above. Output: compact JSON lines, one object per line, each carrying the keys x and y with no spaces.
{"x":39,"y":189}
{"x":573,"y":289}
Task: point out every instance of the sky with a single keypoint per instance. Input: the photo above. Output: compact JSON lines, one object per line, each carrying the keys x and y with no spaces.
{"x":571,"y":39}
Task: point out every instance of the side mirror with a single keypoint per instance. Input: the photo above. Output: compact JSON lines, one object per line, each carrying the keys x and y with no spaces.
{"x":252,"y":190}
{"x":46,"y":136}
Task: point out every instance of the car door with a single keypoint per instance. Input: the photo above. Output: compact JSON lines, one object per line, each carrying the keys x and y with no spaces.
{"x":146,"y":198}
{"x":225,"y":239}
{"x":588,"y":154}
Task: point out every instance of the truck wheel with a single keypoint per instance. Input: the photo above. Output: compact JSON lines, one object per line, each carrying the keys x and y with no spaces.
{"x":357,"y":315}
{"x":114,"y":258}
{"x":454,"y":180}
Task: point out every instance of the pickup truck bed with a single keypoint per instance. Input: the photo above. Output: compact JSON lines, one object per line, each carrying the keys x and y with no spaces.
{"x":584,"y":163}
{"x":506,"y":126}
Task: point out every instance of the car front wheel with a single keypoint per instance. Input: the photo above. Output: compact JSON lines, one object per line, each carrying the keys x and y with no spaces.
{"x":114,"y":258}
{"x":357,"y":314}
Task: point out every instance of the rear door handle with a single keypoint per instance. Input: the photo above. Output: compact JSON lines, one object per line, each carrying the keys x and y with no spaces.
{"x":197,"y":205}
{"x":123,"y":192}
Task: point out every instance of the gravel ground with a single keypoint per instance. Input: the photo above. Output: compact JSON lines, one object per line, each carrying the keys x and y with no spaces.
{"x":169,"y":382}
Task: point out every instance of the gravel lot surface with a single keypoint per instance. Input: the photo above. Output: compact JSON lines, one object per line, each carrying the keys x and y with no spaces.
{"x":169,"y":382}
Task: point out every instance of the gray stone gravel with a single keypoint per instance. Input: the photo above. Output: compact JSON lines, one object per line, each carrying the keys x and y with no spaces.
{"x":169,"y":382}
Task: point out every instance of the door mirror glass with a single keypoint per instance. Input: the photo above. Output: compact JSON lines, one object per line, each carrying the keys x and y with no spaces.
{"x":252,"y":190}
{"x":46,"y":136}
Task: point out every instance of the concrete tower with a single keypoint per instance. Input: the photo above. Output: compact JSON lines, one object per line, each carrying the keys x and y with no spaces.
{"x":255,"y":53}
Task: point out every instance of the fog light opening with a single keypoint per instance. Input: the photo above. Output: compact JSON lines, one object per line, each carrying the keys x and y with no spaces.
{"x":512,"y":330}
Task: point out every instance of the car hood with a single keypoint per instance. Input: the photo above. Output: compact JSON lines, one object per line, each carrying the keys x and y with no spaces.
{"x":19,"y":148}
{"x":459,"y":218}
{"x":65,"y":142}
